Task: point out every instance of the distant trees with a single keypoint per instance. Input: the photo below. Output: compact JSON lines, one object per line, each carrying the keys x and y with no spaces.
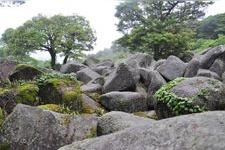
{"x":211,"y":27}
{"x":9,"y":3}
{"x":161,"y":28}
{"x":67,"y":35}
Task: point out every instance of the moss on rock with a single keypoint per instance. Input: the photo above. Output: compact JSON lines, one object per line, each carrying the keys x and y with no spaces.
{"x":27,"y":93}
{"x":1,"y":117}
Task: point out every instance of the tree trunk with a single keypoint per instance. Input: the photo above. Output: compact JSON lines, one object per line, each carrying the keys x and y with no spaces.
{"x":65,"y":59}
{"x":53,"y":59}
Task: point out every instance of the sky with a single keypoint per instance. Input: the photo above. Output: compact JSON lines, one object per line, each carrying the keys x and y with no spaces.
{"x":100,"y":14}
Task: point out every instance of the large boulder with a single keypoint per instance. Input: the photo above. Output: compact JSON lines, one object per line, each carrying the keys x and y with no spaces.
{"x":89,"y":105}
{"x":33,"y":128}
{"x":86,"y":75}
{"x":72,"y":67}
{"x":124,"y":101}
{"x":140,"y":60}
{"x":91,"y":61}
{"x":190,"y":95}
{"x":209,"y":56}
{"x":115,"y":121}
{"x":157,"y":81}
{"x":172,"y":68}
{"x":121,"y":79}
{"x":92,"y":88}
{"x":208,"y":73}
{"x":6,"y":68}
{"x":192,"y":68}
{"x":203,"y":131}
{"x":107,"y":62}
{"x":218,"y":66}
{"x":24,"y":72}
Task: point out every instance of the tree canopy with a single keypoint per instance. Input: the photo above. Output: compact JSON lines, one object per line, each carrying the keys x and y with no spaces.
{"x":161,"y":28}
{"x":211,"y":27}
{"x":65,"y":35}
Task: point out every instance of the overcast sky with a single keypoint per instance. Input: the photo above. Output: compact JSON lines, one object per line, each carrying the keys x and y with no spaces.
{"x":100,"y":13}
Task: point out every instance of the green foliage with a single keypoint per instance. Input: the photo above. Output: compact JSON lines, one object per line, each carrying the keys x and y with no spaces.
{"x":43,"y":79}
{"x":178,"y":105}
{"x":73,"y":99}
{"x":27,"y":93}
{"x":211,"y":27}
{"x":202,"y":44}
{"x":67,"y":35}
{"x":57,"y":108}
{"x":5,"y":146}
{"x":161,"y":28}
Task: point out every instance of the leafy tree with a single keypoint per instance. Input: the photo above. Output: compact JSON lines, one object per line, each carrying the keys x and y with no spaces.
{"x":158,"y":27}
{"x":67,"y":35}
{"x":211,"y":27}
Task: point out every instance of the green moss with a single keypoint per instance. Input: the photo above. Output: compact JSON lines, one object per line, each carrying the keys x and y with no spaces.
{"x":92,"y":134}
{"x":4,"y":91}
{"x":73,"y":99}
{"x":27,"y":94}
{"x":87,"y":109}
{"x":178,"y":105}
{"x":4,"y":146}
{"x":57,"y":108}
{"x":24,"y":66}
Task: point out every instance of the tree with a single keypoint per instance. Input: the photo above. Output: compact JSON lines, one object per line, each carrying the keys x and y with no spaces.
{"x":158,"y":27}
{"x":67,"y":35}
{"x":211,"y":27}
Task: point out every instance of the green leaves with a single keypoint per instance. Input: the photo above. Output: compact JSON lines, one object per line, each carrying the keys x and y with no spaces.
{"x":178,"y":105}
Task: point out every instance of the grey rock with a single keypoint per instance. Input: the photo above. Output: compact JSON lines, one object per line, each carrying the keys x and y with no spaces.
{"x":208,"y":73}
{"x":121,"y":79}
{"x":172,"y":68}
{"x":159,"y":63}
{"x":107,"y":62}
{"x":204,"y":131}
{"x":100,"y":69}
{"x":203,"y":91}
{"x":92,"y":88}
{"x":218,"y":66}
{"x":140,"y":60}
{"x":223,"y":77}
{"x":140,"y":88}
{"x":157,"y":81}
{"x":91,"y":61}
{"x":124,"y":101}
{"x":192,"y":68}
{"x":6,"y":68}
{"x":31,"y":128}
{"x":99,"y":80}
{"x":72,"y":67}
{"x":209,"y":56}
{"x":86,"y":75}
{"x":145,"y":76}
{"x":115,"y":121}
{"x":24,"y":72}
{"x":90,"y":102}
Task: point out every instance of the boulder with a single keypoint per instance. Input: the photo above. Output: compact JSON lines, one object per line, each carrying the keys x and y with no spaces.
{"x":124,"y":101}
{"x":33,"y":128}
{"x":172,"y":68}
{"x":218,"y":66}
{"x":89,"y":105}
{"x":141,"y":60}
{"x":223,"y":77}
{"x":6,"y":68}
{"x":208,"y":73}
{"x":86,"y":75}
{"x":190,"y":95}
{"x":91,"y":61}
{"x":100,"y":80}
{"x":209,"y":56}
{"x":121,"y":79}
{"x":159,"y":63}
{"x":92,"y":88}
{"x":192,"y":68}
{"x":72,"y":67}
{"x":145,"y":76}
{"x":24,"y":72}
{"x":157,"y":81}
{"x":107,"y":62}
{"x":100,"y":69}
{"x":57,"y":90}
{"x":191,"y":132}
{"x":115,"y":121}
